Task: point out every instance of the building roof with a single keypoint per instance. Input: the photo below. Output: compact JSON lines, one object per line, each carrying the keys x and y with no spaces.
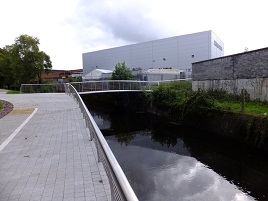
{"x":103,"y":71}
{"x":97,"y":73}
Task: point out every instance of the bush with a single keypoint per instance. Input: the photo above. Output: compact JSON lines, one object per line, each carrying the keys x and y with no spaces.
{"x":221,"y":95}
{"x":171,"y":94}
{"x":180,"y":97}
{"x":48,"y":88}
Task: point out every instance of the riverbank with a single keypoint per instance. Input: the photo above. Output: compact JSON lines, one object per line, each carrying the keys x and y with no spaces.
{"x":214,"y":112}
{"x":243,"y":128}
{"x":181,"y":106}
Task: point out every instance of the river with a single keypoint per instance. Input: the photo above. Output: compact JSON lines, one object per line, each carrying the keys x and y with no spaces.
{"x":164,"y":161}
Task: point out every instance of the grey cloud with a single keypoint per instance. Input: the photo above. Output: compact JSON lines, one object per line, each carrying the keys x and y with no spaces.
{"x":130,"y":25}
{"x":121,"y":21}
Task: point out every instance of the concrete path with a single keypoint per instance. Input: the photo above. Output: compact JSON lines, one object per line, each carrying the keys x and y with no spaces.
{"x":50,"y":157}
{"x":3,"y":91}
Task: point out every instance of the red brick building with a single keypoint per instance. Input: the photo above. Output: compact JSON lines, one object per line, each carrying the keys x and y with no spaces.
{"x":62,"y":75}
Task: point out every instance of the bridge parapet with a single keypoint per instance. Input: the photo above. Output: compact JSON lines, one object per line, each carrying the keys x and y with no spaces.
{"x":120,"y":85}
{"x":113,"y":85}
{"x":89,"y":86}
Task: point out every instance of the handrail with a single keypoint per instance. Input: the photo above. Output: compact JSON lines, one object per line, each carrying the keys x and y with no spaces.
{"x":99,"y":85}
{"x":136,"y":81}
{"x":42,"y":88}
{"x":120,"y":85}
{"x":120,"y":187}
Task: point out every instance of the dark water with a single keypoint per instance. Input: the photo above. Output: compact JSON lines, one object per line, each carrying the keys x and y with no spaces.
{"x":163,"y":161}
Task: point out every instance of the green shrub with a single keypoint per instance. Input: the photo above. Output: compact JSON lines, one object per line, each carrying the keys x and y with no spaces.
{"x":179,"y":96}
{"x":171,"y":94}
{"x":48,"y":88}
{"x":221,"y":95}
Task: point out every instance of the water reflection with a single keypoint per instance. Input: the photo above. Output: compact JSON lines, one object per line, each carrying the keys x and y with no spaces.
{"x":160,"y":175}
{"x":163,"y":163}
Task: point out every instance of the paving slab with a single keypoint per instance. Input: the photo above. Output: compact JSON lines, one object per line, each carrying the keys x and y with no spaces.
{"x":51,"y":156}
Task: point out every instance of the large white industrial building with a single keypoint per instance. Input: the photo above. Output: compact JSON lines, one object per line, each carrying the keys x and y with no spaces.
{"x":177,"y":52}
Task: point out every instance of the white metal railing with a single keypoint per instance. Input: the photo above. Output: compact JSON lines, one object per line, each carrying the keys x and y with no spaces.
{"x":119,"y":185}
{"x":106,"y":85}
{"x":42,"y":88}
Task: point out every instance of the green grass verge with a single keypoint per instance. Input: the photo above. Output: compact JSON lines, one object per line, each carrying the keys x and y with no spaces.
{"x":13,"y":92}
{"x":255,"y":108}
{"x":1,"y":105}
{"x":181,"y":94}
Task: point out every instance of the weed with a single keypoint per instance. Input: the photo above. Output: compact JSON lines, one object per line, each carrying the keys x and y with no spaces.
{"x":180,"y":94}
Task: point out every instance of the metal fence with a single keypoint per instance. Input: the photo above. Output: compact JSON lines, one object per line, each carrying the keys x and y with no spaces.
{"x":42,"y":88}
{"x":106,"y":85}
{"x":120,"y":187}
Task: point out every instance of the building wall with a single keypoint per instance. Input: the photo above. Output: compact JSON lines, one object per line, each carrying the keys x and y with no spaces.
{"x":247,"y":70}
{"x":217,"y":46}
{"x":176,"y":52}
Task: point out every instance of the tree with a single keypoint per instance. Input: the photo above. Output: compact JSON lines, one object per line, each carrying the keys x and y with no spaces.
{"x":45,"y":65}
{"x":6,"y":75}
{"x":121,"y":72}
{"x":28,"y":62}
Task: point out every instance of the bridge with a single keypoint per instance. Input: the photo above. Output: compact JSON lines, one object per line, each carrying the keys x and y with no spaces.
{"x":101,"y":86}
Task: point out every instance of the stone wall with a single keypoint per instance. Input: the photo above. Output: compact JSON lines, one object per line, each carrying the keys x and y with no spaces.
{"x":247,"y":70}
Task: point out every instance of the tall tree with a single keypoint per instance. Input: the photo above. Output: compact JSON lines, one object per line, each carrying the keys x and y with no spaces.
{"x":28,"y":61}
{"x":6,"y":75}
{"x":121,"y":72}
{"x":45,"y":65}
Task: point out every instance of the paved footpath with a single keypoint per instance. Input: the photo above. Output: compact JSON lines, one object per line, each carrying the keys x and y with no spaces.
{"x":51,"y":157}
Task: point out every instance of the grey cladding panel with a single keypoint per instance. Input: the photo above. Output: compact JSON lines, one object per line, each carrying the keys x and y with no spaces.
{"x":175,"y":52}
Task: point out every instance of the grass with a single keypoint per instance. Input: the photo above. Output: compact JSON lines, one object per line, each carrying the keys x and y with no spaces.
{"x":177,"y":93}
{"x":251,"y":107}
{"x":13,"y":92}
{"x":1,"y":105}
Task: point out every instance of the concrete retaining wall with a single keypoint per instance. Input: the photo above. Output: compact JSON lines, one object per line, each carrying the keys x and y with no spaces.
{"x":247,"y":70}
{"x":257,"y":88}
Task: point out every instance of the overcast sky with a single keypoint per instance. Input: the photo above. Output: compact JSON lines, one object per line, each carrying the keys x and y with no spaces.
{"x":67,"y":28}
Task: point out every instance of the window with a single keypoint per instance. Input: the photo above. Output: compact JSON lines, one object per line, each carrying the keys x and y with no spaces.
{"x":217,"y":45}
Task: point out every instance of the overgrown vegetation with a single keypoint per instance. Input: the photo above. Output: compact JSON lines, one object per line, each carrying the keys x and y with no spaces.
{"x":173,"y":94}
{"x":214,"y":111}
{"x":177,"y":95}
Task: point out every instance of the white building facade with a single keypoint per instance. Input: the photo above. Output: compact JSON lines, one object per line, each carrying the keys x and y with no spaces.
{"x":177,"y":52}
